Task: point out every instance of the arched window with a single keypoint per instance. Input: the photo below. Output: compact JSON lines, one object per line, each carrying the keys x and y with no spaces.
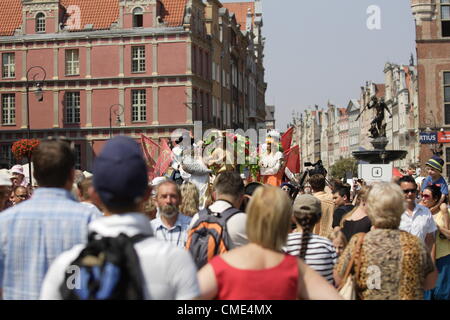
{"x":138,"y":17}
{"x":40,"y":22}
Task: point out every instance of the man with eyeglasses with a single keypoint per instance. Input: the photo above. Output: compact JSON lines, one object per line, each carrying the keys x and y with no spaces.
{"x":417,"y":219}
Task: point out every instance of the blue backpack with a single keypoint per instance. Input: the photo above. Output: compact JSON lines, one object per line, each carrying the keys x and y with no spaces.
{"x":106,"y":269}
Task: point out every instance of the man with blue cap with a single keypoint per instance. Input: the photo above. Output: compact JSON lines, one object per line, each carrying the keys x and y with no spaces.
{"x":121,"y":184}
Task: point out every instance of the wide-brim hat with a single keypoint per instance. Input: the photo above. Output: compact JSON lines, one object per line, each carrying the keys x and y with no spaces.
{"x":17,"y":169}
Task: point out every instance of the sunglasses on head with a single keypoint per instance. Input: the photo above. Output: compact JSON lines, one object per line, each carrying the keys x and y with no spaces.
{"x":409,"y":191}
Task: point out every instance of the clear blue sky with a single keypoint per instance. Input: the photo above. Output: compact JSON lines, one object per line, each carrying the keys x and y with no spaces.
{"x":322,"y":50}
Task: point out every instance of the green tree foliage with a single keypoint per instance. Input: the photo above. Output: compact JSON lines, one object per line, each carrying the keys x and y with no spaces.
{"x":339,"y":169}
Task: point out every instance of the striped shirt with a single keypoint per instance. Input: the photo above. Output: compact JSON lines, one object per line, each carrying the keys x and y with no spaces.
{"x":176,"y":235}
{"x":320,"y":253}
{"x":33,"y":233}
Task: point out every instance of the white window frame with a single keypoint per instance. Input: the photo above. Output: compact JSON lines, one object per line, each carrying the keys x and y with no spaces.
{"x":234,"y":75}
{"x":138,"y":105}
{"x":72,"y":107}
{"x":40,"y":22}
{"x":444,"y":4}
{"x":138,"y":59}
{"x":138,"y":11}
{"x":72,"y":62}
{"x":444,"y":86}
{"x":8,"y":65}
{"x":8,"y":108}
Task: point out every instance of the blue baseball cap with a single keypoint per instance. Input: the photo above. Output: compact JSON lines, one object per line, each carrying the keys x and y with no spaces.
{"x":120,"y":173}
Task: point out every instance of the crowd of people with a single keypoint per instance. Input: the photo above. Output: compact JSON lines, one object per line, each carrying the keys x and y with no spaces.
{"x":115,"y":234}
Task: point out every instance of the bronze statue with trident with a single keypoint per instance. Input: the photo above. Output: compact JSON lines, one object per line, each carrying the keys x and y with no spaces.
{"x":377,"y":128}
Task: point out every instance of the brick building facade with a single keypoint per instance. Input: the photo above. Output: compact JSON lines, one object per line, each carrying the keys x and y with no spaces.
{"x":126,"y":67}
{"x":432,"y":19}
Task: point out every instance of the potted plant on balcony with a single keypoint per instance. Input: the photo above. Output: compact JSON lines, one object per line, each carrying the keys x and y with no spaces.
{"x":24,"y":148}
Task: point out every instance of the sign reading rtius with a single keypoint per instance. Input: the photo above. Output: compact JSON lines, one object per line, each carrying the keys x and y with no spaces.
{"x":428,"y":137}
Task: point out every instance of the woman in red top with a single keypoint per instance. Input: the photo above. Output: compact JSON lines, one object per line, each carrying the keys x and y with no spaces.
{"x":259,"y":270}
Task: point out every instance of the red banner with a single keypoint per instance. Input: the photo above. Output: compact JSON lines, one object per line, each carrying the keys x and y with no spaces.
{"x":286,"y":139}
{"x":150,"y":148}
{"x":164,"y":160}
{"x":292,"y":157}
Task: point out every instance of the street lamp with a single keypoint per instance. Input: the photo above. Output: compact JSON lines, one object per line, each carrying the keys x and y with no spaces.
{"x":39,"y":96}
{"x":117,"y":112}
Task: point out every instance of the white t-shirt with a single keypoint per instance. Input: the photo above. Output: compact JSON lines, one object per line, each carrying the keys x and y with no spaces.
{"x":169,"y":272}
{"x":419,"y":181}
{"x":235,"y":225}
{"x":420,"y":223}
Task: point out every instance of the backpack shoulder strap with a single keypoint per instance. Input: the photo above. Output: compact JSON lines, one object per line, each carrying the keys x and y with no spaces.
{"x":138,"y":238}
{"x":207,"y":215}
{"x":203,"y":213}
{"x":134,"y":239}
{"x":228,"y":213}
{"x":202,"y":216}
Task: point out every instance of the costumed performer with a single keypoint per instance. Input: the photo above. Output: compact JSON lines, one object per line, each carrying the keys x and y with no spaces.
{"x":271,"y":162}
{"x":194,"y":170}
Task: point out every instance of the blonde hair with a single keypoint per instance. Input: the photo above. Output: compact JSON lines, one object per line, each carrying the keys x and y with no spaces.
{"x":362,"y":199}
{"x":208,"y":196}
{"x":189,"y":199}
{"x":385,"y":205}
{"x":269,"y":217}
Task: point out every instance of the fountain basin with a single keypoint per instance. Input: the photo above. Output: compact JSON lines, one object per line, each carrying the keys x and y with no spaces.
{"x":379,"y":156}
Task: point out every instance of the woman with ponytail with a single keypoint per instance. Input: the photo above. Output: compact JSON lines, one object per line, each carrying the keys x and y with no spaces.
{"x":317,"y":252}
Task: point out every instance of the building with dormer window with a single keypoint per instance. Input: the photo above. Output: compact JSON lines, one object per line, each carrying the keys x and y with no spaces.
{"x":151,"y":66}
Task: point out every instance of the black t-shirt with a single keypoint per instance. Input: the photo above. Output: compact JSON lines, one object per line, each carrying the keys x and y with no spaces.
{"x":340,"y":212}
{"x":352,"y":227}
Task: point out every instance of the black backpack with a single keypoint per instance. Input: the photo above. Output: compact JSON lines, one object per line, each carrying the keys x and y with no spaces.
{"x":209,"y":237}
{"x":106,"y":269}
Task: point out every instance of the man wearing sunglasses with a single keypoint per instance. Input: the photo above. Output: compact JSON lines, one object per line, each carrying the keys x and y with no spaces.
{"x":19,"y":194}
{"x":417,"y":219}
